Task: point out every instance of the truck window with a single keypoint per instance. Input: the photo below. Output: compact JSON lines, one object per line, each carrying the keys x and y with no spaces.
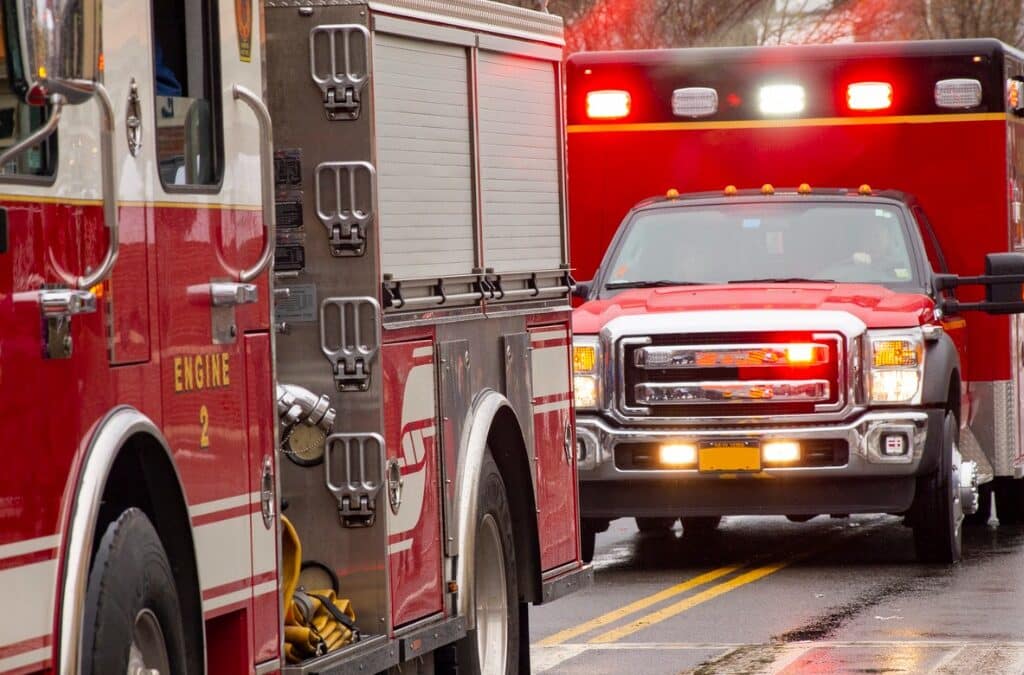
{"x":18,"y":120}
{"x":722,"y":243}
{"x":186,"y":86}
{"x":931,"y":243}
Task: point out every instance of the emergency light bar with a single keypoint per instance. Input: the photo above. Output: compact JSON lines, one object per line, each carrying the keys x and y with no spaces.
{"x":958,"y":93}
{"x":869,"y":95}
{"x":782,"y":99}
{"x":607,"y":104}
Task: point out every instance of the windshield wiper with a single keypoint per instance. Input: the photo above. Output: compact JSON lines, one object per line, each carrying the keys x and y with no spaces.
{"x":651,"y":283}
{"x":782,"y":280}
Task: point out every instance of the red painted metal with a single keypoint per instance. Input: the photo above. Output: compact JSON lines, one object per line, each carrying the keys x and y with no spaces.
{"x":415,"y":551}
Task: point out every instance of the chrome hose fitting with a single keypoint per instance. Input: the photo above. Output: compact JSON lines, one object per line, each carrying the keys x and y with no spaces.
{"x":298,"y":405}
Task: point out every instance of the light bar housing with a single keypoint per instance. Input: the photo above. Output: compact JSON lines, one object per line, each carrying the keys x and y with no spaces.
{"x":746,"y":391}
{"x":734,"y":356}
{"x":958,"y":92}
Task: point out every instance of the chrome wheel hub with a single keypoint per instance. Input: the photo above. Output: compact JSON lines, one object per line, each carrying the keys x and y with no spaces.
{"x":147,"y":654}
{"x":491,"y":600}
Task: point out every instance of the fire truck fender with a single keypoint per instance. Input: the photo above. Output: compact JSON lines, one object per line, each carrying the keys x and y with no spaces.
{"x":492,"y":419}
{"x":126,"y":441}
{"x":941,"y":373}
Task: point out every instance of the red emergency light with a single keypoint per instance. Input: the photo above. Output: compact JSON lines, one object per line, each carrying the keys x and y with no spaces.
{"x":607,"y":104}
{"x":869,"y":95}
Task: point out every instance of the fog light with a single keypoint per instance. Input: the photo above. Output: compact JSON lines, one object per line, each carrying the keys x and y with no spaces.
{"x":780,"y":452}
{"x":893,"y":444}
{"x":677,"y":454}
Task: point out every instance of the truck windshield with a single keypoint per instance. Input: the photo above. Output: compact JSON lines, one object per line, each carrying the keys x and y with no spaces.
{"x":751,"y":242}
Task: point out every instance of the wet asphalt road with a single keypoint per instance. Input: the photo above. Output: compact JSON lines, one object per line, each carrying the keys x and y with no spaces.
{"x":764,"y":595}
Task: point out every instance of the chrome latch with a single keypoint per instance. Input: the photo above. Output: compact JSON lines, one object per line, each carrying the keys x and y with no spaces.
{"x":354,"y":472}
{"x":268,"y":501}
{"x":230,"y":294}
{"x":58,"y":306}
{"x":340,"y":84}
{"x":344,"y":204}
{"x":351,"y":340}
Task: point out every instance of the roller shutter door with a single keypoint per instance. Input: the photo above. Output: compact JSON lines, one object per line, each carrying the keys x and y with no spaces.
{"x":424,"y":160}
{"x":519,"y":163}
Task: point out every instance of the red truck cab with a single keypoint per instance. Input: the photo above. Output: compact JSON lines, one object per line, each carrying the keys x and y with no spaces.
{"x":795,"y":350}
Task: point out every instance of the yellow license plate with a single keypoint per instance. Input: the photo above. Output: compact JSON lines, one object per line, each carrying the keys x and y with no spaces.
{"x":724,"y":458}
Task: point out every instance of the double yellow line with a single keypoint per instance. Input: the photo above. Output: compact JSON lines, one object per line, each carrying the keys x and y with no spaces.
{"x":680,"y":606}
{"x":669,"y":611}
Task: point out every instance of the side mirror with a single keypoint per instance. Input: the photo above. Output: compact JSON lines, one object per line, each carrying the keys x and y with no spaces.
{"x":53,"y":48}
{"x":582,"y":289}
{"x":1003,"y":281}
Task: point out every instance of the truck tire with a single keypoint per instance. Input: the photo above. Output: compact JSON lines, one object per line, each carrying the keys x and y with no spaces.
{"x":654,"y":525}
{"x":1009,"y":500}
{"x":492,"y":647}
{"x":981,"y":517}
{"x":938,"y":520}
{"x":132,"y":615}
{"x":698,"y":526}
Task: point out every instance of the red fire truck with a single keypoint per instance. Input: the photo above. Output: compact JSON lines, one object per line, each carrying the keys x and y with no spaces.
{"x":798,"y":350}
{"x":346,"y":306}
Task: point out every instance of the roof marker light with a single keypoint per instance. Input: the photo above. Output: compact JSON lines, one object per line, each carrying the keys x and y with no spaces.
{"x":672,"y":193}
{"x":607,"y":104}
{"x":767,"y":189}
{"x":694,"y":102}
{"x":869,"y":96}
{"x":782,"y":99}
{"x":864,"y":189}
{"x":958,"y":92}
{"x":804,"y":189}
{"x":730,"y":190}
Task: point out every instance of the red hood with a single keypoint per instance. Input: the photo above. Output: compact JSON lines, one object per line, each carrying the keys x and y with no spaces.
{"x":876,"y":306}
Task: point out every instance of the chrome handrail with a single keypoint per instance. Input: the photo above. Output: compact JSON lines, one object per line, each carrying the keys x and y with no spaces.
{"x":267,"y":179}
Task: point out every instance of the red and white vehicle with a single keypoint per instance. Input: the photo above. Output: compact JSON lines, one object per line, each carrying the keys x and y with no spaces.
{"x":396,"y":380}
{"x":747,"y":349}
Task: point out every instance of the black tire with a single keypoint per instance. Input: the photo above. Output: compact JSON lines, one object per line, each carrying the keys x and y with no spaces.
{"x":1009,"y":500}
{"x":492,"y":502}
{"x":981,"y":517}
{"x":654,"y":525}
{"x":131,"y":581}
{"x":698,"y":526}
{"x":938,"y":531}
{"x":588,"y":540}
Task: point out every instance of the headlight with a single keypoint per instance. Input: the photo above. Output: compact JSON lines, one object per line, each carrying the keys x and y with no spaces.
{"x":586,"y":367}
{"x":895,"y":363}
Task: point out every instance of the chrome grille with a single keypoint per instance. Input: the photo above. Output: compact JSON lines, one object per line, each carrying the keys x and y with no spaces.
{"x":731,"y":374}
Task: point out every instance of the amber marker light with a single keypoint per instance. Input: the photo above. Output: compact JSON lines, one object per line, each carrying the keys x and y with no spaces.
{"x":730,"y":191}
{"x":677,"y":454}
{"x":767,"y":189}
{"x":864,"y":189}
{"x":804,"y":189}
{"x":608,"y":104}
{"x":780,"y":452}
{"x":672,"y":194}
{"x":802,"y":354}
{"x":583,"y":358}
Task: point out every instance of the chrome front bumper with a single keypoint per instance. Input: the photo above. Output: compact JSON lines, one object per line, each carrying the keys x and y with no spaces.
{"x":598,"y":440}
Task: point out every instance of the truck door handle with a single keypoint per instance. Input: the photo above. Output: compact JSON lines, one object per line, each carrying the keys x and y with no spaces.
{"x":230,"y":293}
{"x":256,"y":104}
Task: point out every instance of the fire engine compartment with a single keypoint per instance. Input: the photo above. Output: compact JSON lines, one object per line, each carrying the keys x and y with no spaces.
{"x":419,"y":180}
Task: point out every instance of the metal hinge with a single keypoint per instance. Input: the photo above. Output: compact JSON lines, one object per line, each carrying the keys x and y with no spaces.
{"x":341,"y":87}
{"x":58,"y":306}
{"x":353,"y":344}
{"x":356,"y":476}
{"x":344,"y":204}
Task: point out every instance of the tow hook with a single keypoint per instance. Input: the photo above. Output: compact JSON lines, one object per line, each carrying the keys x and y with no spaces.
{"x":969,"y":487}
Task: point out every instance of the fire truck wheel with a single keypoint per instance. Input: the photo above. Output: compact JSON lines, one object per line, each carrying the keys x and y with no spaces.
{"x":492,"y":648}
{"x":655,"y":525}
{"x":697,"y":526}
{"x":938,"y":531}
{"x":1009,"y":500}
{"x":132,"y":616}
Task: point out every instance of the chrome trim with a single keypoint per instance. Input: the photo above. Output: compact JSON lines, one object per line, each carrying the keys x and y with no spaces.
{"x":731,"y":392}
{"x":994,"y":423}
{"x":630,"y":330}
{"x":472,"y":446}
{"x":268,"y":667}
{"x":858,"y":433}
{"x":723,"y":355}
{"x":119,"y":425}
